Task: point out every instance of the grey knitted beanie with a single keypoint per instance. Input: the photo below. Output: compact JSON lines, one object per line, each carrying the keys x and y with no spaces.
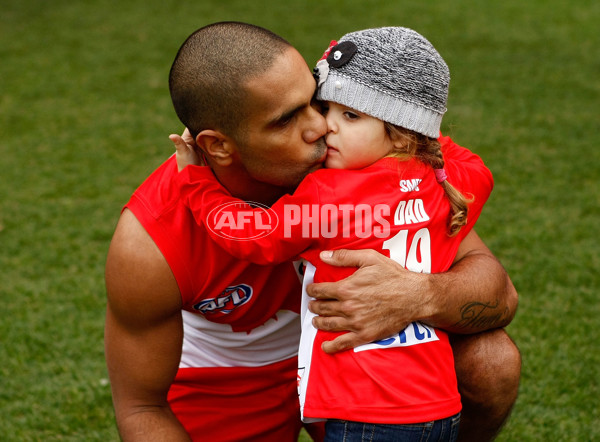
{"x":393,"y":74}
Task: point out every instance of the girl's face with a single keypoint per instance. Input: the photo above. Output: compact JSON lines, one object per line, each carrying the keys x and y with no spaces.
{"x":354,"y":140}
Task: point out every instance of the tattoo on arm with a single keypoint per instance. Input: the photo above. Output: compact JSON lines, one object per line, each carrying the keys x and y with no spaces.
{"x":480,"y":316}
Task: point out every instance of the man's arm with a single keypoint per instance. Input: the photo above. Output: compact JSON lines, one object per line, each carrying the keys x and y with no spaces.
{"x":143,"y":335}
{"x":478,"y":286}
{"x":381,"y":297}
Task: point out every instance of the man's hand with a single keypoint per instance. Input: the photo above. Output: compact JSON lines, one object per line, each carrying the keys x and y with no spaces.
{"x":186,"y":150}
{"x":378,"y":300}
{"x":381,"y":298}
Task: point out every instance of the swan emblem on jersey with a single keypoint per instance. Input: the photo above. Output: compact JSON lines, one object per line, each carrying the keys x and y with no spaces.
{"x":231,"y":298}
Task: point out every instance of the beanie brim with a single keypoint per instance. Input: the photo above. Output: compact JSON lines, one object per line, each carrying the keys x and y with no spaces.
{"x":395,"y":110}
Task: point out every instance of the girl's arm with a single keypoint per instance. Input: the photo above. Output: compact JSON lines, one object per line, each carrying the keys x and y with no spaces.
{"x":250,"y":231}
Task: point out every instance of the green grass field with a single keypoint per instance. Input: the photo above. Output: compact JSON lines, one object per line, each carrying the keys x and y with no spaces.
{"x":84,"y":118}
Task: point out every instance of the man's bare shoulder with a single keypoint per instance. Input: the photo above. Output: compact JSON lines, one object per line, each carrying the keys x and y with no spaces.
{"x":138,"y":278}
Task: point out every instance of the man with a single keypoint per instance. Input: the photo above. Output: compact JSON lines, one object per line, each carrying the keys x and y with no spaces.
{"x":246,"y":96}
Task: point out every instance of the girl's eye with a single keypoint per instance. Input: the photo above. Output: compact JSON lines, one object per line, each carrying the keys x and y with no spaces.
{"x":351,"y":115}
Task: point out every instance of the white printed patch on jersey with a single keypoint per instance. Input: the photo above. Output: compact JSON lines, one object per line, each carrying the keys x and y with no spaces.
{"x":415,"y":334}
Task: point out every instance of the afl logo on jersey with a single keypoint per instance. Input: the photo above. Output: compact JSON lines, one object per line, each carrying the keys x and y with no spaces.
{"x":242,"y":221}
{"x":230,"y":299}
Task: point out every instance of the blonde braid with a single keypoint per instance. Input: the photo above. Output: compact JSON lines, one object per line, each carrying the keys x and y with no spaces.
{"x":429,"y":151}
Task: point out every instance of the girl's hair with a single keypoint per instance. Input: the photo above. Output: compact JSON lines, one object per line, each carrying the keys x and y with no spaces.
{"x":428,"y":151}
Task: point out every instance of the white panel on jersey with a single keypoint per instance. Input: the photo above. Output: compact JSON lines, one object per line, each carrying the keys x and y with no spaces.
{"x":209,"y":344}
{"x":309,"y":332}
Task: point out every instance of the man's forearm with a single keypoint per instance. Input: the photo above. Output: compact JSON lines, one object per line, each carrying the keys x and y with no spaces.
{"x":476,"y":294}
{"x":151,"y":424}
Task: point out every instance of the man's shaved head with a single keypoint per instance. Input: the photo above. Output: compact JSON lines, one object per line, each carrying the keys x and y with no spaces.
{"x":208,"y":77}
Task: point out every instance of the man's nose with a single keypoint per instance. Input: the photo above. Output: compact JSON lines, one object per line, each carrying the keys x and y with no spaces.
{"x":317,"y":127}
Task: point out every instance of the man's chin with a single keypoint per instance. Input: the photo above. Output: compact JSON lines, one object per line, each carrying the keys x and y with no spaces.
{"x":318,"y":166}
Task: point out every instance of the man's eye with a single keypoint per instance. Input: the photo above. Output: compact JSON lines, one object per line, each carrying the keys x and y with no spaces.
{"x":285,"y":121}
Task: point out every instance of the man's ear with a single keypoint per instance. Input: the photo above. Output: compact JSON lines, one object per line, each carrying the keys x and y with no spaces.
{"x":216,"y":146}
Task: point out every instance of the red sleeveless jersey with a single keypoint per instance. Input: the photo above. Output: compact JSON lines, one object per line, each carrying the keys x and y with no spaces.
{"x":236,"y":379}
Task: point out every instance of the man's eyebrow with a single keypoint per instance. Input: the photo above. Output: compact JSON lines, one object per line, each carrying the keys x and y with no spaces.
{"x":289,"y":114}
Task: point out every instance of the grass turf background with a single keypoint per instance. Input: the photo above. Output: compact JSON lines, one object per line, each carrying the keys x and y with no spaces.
{"x":84,"y":118}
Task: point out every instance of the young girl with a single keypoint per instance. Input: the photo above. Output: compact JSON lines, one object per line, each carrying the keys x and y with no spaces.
{"x":386,"y":187}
